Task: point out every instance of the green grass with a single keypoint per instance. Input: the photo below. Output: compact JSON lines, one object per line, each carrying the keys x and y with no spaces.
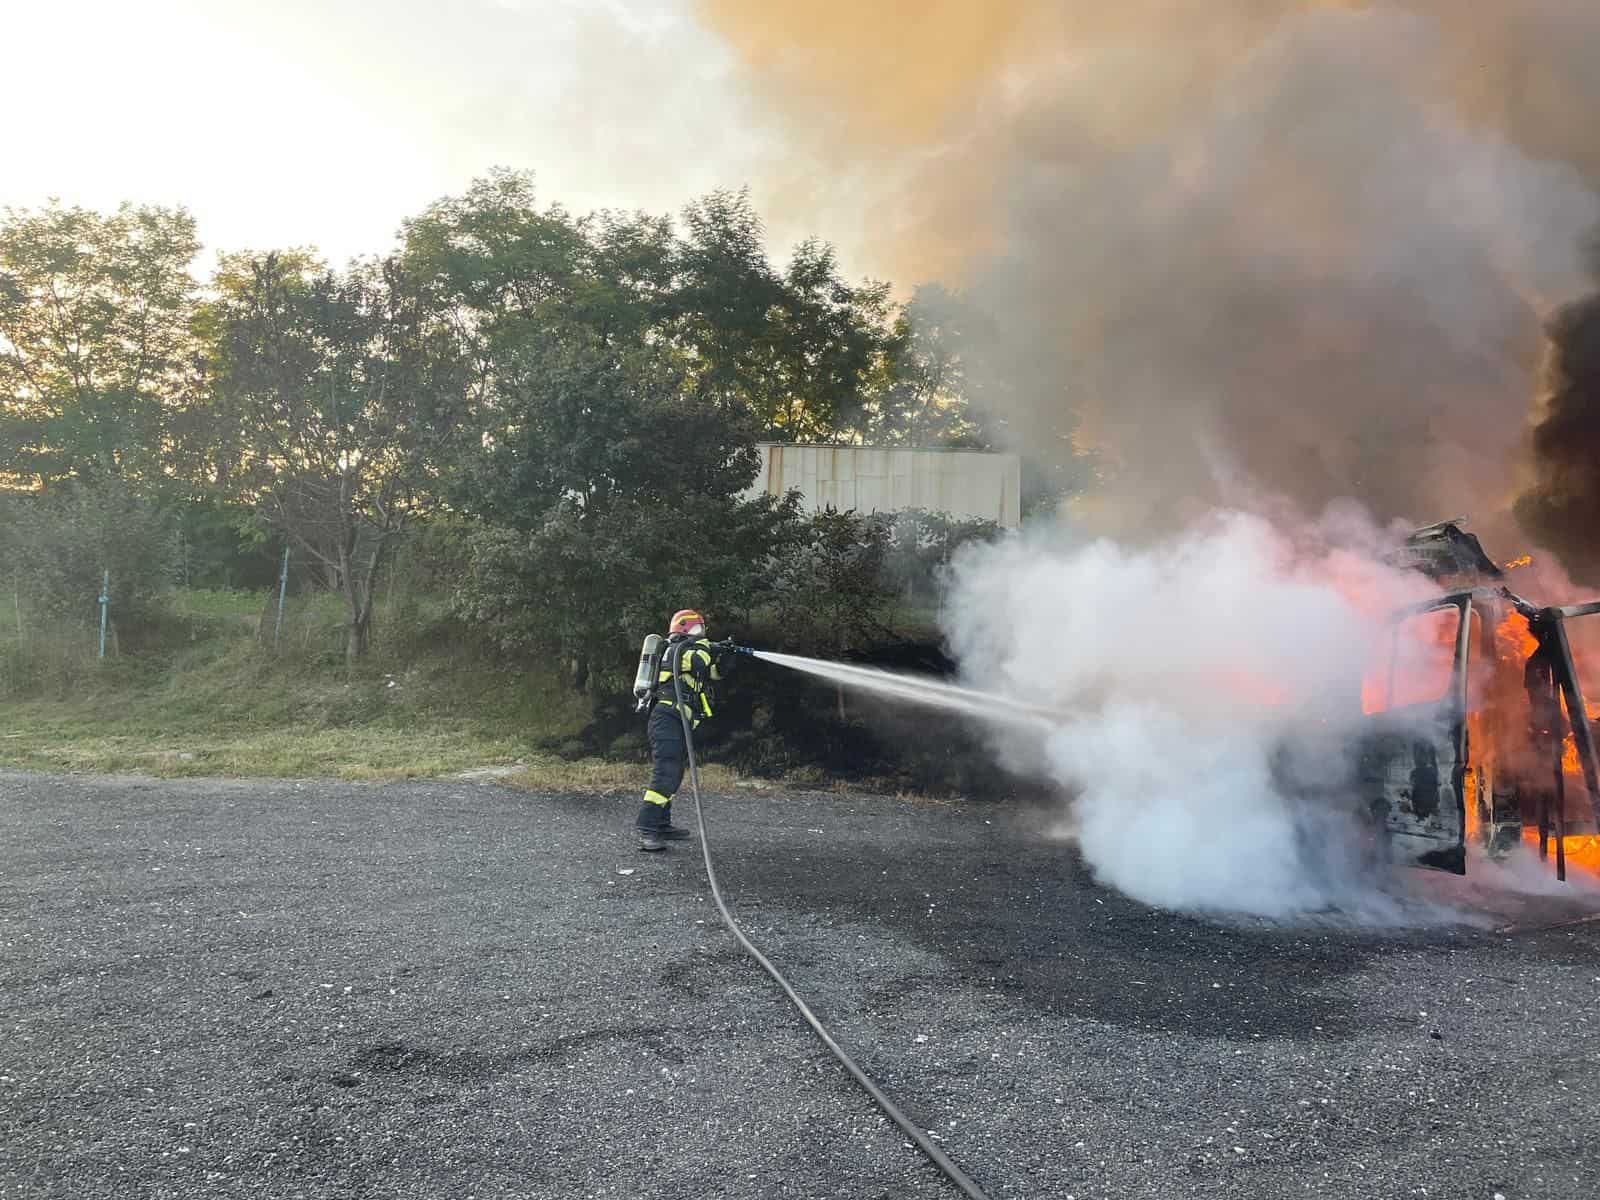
{"x":211,"y":696}
{"x":206,"y":602}
{"x":56,"y":737}
{"x":216,"y":701}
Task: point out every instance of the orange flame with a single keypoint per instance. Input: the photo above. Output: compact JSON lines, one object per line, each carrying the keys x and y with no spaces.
{"x":1525,"y":560}
{"x":1582,"y":851}
{"x":1513,"y":638}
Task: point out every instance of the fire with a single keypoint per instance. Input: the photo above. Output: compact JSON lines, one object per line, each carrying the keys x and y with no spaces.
{"x":1571,"y":764}
{"x":1525,"y":560}
{"x":1582,"y":851}
{"x":1415,"y":666}
{"x":1469,"y":786}
{"x":1513,"y":639}
{"x":1504,"y":756}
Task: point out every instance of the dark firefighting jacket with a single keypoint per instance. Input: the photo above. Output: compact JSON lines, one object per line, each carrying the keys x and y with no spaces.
{"x":697,"y":666}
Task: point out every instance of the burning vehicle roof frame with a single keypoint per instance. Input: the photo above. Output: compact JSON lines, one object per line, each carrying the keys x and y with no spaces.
{"x":1410,"y":748}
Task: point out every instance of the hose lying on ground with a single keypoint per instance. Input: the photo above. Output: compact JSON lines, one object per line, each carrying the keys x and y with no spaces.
{"x":936,"y":1156}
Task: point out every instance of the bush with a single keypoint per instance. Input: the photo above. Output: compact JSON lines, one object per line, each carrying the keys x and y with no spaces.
{"x":433,"y":556}
{"x":921,"y":544}
{"x":60,"y":544}
{"x":832,"y":590}
{"x":225,"y":548}
{"x":46,"y":658}
{"x":586,"y":588}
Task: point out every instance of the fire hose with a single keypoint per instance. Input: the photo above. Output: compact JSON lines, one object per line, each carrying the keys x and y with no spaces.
{"x":934,"y":1155}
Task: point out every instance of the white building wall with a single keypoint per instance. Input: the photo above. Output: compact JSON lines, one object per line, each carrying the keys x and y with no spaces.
{"x":964,"y":483}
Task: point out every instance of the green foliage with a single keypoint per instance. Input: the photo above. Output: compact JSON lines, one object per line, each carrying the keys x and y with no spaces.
{"x":796,"y":349}
{"x":434,"y":555}
{"x":59,"y":545}
{"x":920,"y":546}
{"x":576,"y":398}
{"x":95,"y":339}
{"x":593,"y":427}
{"x":344,"y":384}
{"x":225,"y":546}
{"x":922,"y":397}
{"x":584,"y":590}
{"x":832,"y":593}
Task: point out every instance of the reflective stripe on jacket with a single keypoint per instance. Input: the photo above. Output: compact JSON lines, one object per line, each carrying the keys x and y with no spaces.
{"x":697,"y":670}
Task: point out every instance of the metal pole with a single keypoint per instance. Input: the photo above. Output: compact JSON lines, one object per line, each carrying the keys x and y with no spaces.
{"x":1577,"y":710}
{"x":1557,"y":743}
{"x":105,"y":603}
{"x":283,"y":583}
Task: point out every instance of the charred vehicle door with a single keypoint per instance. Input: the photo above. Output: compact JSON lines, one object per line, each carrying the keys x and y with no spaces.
{"x":1411,"y":761}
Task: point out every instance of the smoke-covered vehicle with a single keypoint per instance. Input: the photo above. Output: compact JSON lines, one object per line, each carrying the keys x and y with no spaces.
{"x":1475,"y":723}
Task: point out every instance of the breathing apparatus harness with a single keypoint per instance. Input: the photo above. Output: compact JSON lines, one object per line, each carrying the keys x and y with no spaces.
{"x":652,"y":656}
{"x":656,"y":650}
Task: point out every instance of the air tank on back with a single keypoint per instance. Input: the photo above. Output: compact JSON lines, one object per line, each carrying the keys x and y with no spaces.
{"x":644,"y":681}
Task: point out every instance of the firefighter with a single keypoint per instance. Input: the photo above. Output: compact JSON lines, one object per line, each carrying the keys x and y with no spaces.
{"x":697,"y":663}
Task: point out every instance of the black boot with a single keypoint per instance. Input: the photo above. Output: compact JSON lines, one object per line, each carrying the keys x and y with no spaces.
{"x":652,"y":826}
{"x":673,"y":833}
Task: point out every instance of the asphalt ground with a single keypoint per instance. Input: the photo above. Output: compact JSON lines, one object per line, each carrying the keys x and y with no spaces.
{"x":451,"y":989}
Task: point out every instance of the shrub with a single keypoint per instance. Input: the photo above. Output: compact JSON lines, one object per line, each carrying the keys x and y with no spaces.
{"x":920,"y":547}
{"x":63,"y":542}
{"x":586,"y":587}
{"x":832,"y":593}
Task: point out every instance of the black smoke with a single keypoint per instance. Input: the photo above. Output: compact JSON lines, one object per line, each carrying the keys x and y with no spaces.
{"x":1560,"y":507}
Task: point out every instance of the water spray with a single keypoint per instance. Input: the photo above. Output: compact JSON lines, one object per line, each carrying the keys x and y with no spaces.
{"x":916,"y":689}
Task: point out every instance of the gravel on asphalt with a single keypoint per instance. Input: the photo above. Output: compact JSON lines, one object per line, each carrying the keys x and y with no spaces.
{"x":458,"y":989}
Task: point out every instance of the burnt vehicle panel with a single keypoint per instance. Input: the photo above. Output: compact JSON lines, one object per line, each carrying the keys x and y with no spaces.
{"x":1477,"y":731}
{"x":1409,"y":780}
{"x":1411,"y":762}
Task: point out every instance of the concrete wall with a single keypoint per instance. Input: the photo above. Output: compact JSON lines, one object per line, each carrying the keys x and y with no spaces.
{"x":964,"y":483}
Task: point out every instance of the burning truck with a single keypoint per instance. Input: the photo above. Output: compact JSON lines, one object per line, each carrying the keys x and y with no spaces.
{"x":1475,"y":725}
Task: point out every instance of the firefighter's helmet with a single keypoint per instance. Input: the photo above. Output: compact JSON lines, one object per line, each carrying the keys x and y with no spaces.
{"x":687,"y":621}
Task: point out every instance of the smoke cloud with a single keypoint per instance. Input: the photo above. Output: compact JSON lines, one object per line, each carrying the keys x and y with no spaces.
{"x":1248,"y":246}
{"x":1209,"y":686}
{"x":1561,"y":505}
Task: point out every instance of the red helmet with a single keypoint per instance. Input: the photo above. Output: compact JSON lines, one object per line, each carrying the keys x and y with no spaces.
{"x":687,"y":621}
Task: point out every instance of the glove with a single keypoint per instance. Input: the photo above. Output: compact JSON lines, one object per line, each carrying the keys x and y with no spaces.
{"x":727,"y":654}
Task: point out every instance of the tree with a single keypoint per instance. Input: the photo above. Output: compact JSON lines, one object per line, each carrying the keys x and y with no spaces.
{"x":94,"y":339}
{"x":597,"y":468}
{"x":797,"y":348}
{"x":342,"y":385}
{"x":830,"y":334}
{"x":620,"y":374}
{"x":64,"y":544}
{"x":923,"y":391}
{"x":586,"y":587}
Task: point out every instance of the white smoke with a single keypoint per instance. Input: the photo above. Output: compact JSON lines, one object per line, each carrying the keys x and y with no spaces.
{"x":1184,"y":670}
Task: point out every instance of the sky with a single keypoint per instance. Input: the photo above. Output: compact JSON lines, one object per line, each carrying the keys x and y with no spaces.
{"x":1300,"y":247}
{"x":326,"y":122}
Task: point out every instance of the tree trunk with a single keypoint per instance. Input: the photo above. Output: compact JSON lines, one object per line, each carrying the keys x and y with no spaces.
{"x":580,"y":673}
{"x":355,"y":648}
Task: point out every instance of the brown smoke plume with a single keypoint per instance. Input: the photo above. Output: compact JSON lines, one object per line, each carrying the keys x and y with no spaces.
{"x":1237,"y":245}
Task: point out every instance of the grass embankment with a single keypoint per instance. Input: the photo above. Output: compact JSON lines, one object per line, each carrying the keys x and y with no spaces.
{"x":216,"y":700}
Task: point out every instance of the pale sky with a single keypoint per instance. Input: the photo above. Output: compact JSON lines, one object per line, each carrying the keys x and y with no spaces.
{"x":324,"y":122}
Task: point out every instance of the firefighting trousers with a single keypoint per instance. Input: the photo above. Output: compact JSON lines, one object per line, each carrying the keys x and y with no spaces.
{"x":668,"y":755}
